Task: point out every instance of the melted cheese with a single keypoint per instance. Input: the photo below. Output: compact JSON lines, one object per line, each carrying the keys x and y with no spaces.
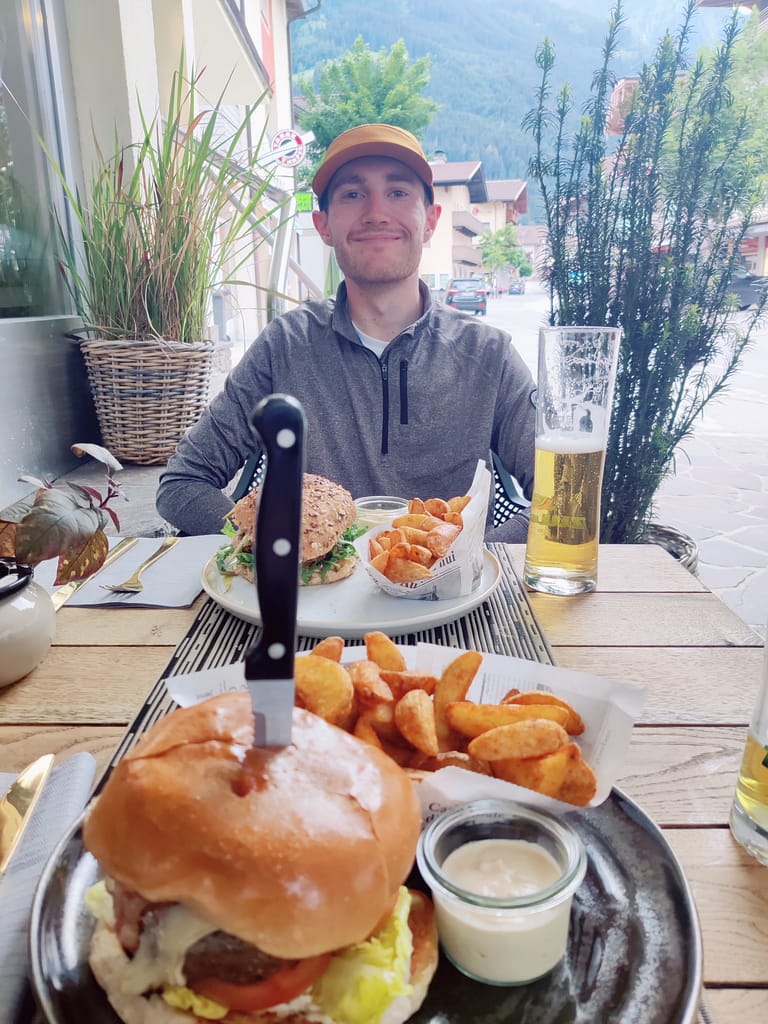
{"x":160,"y":957}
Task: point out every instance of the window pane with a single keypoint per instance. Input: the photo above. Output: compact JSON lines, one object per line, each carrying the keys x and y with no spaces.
{"x":29,"y":283}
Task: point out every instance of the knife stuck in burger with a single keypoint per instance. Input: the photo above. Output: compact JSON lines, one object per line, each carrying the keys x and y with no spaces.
{"x":253,"y":885}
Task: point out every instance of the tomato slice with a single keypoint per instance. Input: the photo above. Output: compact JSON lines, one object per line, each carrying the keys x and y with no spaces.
{"x":282,"y":987}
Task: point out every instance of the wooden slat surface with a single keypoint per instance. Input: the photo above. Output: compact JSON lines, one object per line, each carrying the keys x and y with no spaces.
{"x":696,"y":685}
{"x":632,"y":568}
{"x":731,"y":895}
{"x":85,"y":684}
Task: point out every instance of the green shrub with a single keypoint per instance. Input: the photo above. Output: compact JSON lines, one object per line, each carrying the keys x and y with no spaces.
{"x":646,"y":235}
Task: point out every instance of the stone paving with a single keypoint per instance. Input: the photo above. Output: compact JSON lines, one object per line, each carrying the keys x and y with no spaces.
{"x":719,"y":492}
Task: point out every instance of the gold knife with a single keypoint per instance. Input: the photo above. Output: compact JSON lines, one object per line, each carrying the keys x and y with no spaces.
{"x":64,"y":593}
{"x":18,"y":803}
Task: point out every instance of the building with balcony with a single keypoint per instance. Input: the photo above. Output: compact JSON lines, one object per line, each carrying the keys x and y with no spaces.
{"x":471,"y":206}
{"x":452,"y":252}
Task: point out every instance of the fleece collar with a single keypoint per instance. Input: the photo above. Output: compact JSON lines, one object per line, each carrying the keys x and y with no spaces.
{"x":342,"y":322}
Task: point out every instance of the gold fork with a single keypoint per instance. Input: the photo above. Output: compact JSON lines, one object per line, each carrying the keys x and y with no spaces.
{"x":133,"y":584}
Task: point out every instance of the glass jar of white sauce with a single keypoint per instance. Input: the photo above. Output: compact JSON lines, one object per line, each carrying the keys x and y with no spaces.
{"x":380,"y":509}
{"x":502,"y":877}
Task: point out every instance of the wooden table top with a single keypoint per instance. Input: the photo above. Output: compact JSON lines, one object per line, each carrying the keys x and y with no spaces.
{"x":650,"y":622}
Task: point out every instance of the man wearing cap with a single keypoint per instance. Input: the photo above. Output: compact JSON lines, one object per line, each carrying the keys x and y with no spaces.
{"x":402,"y":395}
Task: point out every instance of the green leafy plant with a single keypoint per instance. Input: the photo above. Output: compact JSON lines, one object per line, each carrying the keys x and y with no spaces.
{"x":645,"y":234}
{"x":66,"y":522}
{"x":362,"y":86}
{"x":501,"y":251}
{"x":166,"y":219}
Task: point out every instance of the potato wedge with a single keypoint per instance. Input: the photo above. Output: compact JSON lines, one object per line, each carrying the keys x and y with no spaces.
{"x":329,"y":647}
{"x":452,"y":686}
{"x":414,"y":536}
{"x":509,"y":695}
{"x":535,"y":737}
{"x":421,"y":521}
{"x":471,"y":719}
{"x":574,"y":725}
{"x":380,"y":562}
{"x":325,"y":688}
{"x":415,"y":718}
{"x":436,"y":507}
{"x":400,"y":550}
{"x":403,"y":570}
{"x":374,"y":548}
{"x":369,"y":687}
{"x":580,"y":783}
{"x":459,"y":503}
{"x":401,"y":682}
{"x":440,"y":539}
{"x":449,"y":759}
{"x":544,"y":774}
{"x":421,"y":555}
{"x":365,"y":732}
{"x":384,"y":651}
{"x":388,"y":538}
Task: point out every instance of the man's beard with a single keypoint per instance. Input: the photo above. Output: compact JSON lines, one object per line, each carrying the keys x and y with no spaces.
{"x":365,"y":270}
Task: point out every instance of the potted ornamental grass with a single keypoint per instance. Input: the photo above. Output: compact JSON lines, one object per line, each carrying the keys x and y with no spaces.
{"x":647,"y":204}
{"x":161,"y":223}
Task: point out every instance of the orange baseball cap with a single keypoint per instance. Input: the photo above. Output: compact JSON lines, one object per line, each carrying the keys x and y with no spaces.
{"x":373,"y":140}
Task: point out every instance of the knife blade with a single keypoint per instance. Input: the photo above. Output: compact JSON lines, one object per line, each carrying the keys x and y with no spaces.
{"x":267,"y":669}
{"x":17,"y":805}
{"x":64,"y":593}
{"x":280,"y":423}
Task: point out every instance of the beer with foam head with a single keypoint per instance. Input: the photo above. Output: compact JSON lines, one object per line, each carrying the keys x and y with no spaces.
{"x":577,"y":370}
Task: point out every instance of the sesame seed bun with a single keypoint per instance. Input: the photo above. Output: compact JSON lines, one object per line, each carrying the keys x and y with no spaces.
{"x":327,"y":511}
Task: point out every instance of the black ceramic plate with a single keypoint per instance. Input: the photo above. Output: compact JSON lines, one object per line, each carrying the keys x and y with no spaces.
{"x":634,"y":954}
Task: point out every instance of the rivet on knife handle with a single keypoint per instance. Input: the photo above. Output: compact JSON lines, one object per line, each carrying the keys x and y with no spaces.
{"x":281,"y":425}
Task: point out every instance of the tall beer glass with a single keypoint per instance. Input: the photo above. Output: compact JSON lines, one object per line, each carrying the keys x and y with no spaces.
{"x":576,"y":376}
{"x":749,"y":811}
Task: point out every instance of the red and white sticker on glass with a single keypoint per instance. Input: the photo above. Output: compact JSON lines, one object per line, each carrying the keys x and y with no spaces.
{"x":289,"y":148}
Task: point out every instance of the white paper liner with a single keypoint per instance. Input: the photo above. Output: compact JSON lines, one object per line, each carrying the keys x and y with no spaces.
{"x":608,"y":707}
{"x":459,"y":572}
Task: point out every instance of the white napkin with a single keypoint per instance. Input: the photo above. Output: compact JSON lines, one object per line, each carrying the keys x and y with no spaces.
{"x":63,"y":798}
{"x":172,"y":582}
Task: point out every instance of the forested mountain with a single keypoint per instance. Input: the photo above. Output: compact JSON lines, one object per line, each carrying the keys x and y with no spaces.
{"x":483,"y":72}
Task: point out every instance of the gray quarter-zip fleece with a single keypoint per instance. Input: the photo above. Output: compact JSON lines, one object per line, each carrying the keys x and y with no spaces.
{"x":414,"y":422}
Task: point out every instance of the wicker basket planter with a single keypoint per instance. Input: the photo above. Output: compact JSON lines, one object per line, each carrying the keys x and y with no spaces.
{"x":147,"y":393}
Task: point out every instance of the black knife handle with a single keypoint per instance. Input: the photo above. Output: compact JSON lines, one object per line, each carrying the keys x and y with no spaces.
{"x":281,"y":425}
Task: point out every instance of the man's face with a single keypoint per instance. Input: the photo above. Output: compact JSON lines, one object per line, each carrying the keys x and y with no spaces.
{"x":377,"y":220}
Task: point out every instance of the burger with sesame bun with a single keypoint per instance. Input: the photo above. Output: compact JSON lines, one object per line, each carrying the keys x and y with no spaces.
{"x":328,"y":529}
{"x":257,"y":885}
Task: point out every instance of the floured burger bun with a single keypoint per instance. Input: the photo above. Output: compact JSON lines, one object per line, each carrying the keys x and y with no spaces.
{"x":257,"y":885}
{"x":327,"y":553}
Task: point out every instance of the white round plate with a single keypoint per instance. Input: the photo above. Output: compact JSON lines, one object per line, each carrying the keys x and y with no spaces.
{"x":351,"y":607}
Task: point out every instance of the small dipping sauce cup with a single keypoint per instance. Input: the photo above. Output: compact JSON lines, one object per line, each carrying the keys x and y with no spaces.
{"x":380,"y":509}
{"x":502,"y":877}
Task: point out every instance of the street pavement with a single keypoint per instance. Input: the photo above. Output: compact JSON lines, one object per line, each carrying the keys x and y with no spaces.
{"x":718,"y":491}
